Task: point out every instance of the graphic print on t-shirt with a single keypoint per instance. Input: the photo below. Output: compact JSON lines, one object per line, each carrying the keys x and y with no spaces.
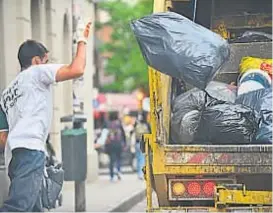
{"x":10,"y":96}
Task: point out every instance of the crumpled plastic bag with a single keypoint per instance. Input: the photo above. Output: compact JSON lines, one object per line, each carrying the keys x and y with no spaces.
{"x":186,"y":115}
{"x":52,"y":186}
{"x":264,"y":133}
{"x":227,"y":123}
{"x":188,"y":106}
{"x":252,"y":36}
{"x":176,"y":46}
{"x":261,"y":102}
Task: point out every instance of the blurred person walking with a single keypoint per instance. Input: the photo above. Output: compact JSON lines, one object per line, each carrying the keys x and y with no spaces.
{"x":141,"y":128}
{"x":27,"y":107}
{"x":114,"y":146}
{"x":130,"y":139}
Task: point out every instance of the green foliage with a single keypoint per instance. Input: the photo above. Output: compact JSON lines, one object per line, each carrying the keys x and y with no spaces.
{"x":127,"y":63}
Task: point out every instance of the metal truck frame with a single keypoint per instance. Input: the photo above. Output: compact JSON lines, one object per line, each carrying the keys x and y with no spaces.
{"x":239,"y":171}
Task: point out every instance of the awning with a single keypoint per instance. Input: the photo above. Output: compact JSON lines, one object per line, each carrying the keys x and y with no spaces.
{"x":115,"y":102}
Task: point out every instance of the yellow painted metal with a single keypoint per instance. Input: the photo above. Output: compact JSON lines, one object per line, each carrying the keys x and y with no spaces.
{"x":209,"y":209}
{"x":160,"y":86}
{"x":226,"y":197}
{"x":183,"y":209}
{"x":169,"y":4}
{"x":159,"y":6}
{"x":195,"y":169}
{"x":159,"y":94}
{"x":147,"y":139}
{"x":222,"y":30}
{"x":160,"y":107}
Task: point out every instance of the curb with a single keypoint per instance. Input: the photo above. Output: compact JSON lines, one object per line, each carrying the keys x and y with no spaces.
{"x":130,"y":202}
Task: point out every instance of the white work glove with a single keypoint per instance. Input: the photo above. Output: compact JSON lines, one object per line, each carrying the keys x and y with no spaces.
{"x":82,"y":33}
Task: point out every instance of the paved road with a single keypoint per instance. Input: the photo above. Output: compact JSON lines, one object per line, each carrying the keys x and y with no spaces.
{"x":125,"y":170}
{"x":140,"y":207}
{"x":103,"y":195}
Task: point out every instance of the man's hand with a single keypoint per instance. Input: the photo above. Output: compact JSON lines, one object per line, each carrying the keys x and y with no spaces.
{"x":83,"y":31}
{"x":77,"y":67}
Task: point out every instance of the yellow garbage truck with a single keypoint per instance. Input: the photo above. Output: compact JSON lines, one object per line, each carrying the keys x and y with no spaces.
{"x":208,"y":178}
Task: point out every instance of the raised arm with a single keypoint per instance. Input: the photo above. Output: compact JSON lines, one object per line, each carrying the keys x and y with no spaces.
{"x":77,"y":66}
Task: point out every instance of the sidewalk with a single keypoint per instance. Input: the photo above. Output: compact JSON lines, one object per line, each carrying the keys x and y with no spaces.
{"x":105,"y":196}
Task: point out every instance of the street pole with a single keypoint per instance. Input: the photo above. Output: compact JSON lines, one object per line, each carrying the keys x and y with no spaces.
{"x":80,"y":198}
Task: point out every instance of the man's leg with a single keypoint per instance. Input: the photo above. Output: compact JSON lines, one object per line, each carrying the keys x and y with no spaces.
{"x":26,"y":171}
{"x":119,"y":157}
{"x":140,"y":161}
{"x":142,"y":164}
{"x":118,"y":162}
{"x":38,"y":207}
{"x":111,"y":163}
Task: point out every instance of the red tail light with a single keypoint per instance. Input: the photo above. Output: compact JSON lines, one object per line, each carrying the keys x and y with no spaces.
{"x":194,"y":188}
{"x":208,"y":188}
{"x":197,"y":189}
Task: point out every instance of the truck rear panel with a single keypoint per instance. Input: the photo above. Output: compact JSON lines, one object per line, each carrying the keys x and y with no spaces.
{"x":220,"y":159}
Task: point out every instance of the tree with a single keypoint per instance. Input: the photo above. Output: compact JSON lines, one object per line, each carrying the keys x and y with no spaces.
{"x":126,"y":63}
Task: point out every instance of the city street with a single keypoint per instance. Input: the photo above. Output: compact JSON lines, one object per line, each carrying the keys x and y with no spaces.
{"x":140,"y":207}
{"x":105,"y":196}
{"x":97,"y":97}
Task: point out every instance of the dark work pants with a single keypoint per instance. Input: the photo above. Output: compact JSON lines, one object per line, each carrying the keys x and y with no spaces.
{"x":26,"y":171}
{"x":114,"y":152}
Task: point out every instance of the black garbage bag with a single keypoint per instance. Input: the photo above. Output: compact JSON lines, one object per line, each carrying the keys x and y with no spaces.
{"x":52,"y":186}
{"x":227,"y":123}
{"x":187,"y":109}
{"x":186,"y":115}
{"x":176,"y":46}
{"x":252,"y":36}
{"x":264,"y":133}
{"x":261,"y":102}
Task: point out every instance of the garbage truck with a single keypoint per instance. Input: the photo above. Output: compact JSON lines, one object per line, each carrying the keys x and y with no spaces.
{"x":195,"y":178}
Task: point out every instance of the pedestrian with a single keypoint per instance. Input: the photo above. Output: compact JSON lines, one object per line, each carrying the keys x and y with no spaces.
{"x":130,"y":139}
{"x":27,"y":106}
{"x":114,"y":146}
{"x":141,"y":128}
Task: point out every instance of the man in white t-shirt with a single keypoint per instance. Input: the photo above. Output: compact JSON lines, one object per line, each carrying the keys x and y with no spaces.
{"x":27,"y":105}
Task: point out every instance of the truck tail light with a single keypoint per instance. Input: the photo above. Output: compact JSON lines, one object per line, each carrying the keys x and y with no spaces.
{"x":178,"y":188}
{"x":209,"y":188}
{"x":194,"y":188}
{"x":198,"y":189}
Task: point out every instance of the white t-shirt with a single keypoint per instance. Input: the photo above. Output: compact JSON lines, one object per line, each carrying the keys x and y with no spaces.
{"x":27,"y":103}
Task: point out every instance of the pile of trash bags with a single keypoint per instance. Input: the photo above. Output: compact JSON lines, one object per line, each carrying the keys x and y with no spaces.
{"x":219,"y":116}
{"x":212,"y":112}
{"x":189,"y":106}
{"x":226,"y":114}
{"x":212,"y":116}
